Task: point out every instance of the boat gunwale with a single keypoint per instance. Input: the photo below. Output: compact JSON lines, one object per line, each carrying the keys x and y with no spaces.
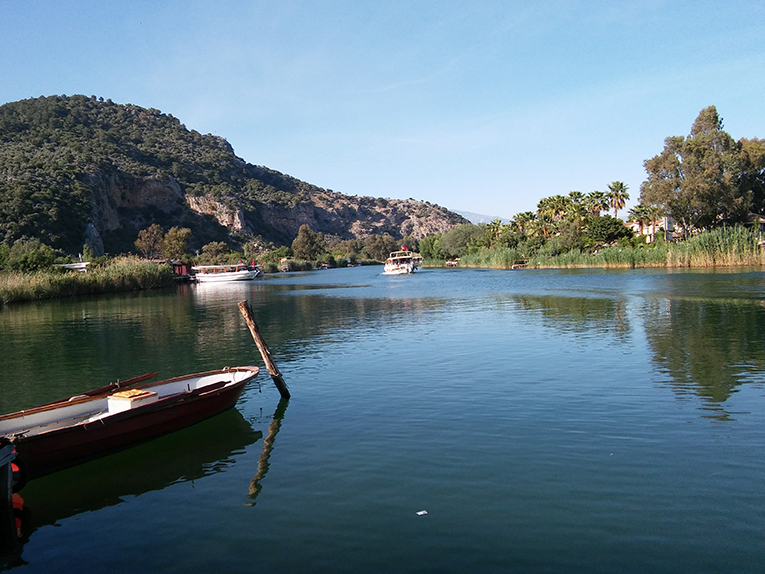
{"x":108,"y":390}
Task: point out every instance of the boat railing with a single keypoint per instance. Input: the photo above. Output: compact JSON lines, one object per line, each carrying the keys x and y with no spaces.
{"x":24,"y":427}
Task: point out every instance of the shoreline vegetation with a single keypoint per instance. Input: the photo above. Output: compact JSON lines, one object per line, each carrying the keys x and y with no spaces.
{"x":723,"y":247}
{"x":118,"y":275}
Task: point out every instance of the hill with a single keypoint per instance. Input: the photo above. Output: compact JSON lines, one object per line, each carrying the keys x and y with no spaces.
{"x":80,"y":170}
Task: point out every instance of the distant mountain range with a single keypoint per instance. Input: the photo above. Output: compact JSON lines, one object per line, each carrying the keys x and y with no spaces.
{"x":477,"y":218}
{"x":80,"y":171}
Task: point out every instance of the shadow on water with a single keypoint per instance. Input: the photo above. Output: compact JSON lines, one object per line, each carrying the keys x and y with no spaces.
{"x":204,"y":449}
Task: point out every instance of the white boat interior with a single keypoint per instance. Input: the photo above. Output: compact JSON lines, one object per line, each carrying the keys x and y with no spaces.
{"x":81,"y":409}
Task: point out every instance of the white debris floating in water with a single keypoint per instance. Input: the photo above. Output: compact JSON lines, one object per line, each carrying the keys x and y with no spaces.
{"x":422,"y":512}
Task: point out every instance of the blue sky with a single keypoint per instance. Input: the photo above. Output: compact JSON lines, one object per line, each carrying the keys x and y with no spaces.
{"x":482,"y":106}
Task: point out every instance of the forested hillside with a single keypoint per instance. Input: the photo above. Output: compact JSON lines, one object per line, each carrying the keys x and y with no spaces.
{"x":80,"y":170}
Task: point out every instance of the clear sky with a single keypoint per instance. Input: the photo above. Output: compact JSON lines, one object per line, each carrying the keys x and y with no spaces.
{"x":484,"y":106}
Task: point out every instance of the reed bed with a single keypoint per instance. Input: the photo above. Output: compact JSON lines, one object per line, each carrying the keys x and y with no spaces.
{"x":498,"y":258}
{"x":607,"y":258}
{"x":122,"y":274}
{"x":723,"y":247}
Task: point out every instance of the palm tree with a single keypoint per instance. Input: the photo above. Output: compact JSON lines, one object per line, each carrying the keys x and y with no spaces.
{"x":554,"y":206}
{"x":544,"y":207}
{"x":576,"y":212}
{"x":576,"y":197}
{"x":559,"y":206}
{"x":542,"y":225}
{"x":521,"y":221}
{"x":654,"y":213}
{"x":494,"y":230}
{"x":617,"y":195}
{"x":596,"y":202}
{"x":639,"y":214}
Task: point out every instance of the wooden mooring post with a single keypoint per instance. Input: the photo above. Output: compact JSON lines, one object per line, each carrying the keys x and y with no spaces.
{"x":244,"y":307}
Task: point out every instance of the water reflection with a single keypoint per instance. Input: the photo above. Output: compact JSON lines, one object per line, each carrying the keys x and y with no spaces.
{"x":704,"y":330}
{"x":55,"y":349}
{"x":703,"y":346}
{"x":706,"y":347}
{"x":186,"y":455}
{"x":579,"y":314}
{"x":265,"y":455}
{"x":291,"y":315}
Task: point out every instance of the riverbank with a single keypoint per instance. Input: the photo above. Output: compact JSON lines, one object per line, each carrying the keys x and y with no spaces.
{"x":732,"y":247}
{"x":121,"y":274}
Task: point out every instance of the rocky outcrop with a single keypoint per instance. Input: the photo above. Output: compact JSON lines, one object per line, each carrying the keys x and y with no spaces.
{"x":357,"y":217}
{"x":121,"y":201}
{"x":113,"y":194}
{"x":232,"y":218}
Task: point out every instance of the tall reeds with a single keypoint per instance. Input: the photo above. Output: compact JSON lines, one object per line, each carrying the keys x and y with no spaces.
{"x":122,"y":274}
{"x":723,"y":247}
{"x":607,"y":258}
{"x":497,"y":258}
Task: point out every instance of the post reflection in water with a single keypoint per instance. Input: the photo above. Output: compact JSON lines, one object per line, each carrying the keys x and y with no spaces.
{"x":268,"y":447}
{"x":186,"y":455}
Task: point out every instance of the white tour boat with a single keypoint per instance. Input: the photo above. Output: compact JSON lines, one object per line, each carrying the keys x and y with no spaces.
{"x":221,"y":273}
{"x":402,"y":263}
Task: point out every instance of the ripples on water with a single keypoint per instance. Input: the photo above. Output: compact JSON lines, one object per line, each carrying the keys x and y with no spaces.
{"x":548,"y":421}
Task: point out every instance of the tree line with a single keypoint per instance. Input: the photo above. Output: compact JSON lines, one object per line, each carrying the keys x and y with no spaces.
{"x":703,"y":181}
{"x":560,"y":223}
{"x":309,"y":246}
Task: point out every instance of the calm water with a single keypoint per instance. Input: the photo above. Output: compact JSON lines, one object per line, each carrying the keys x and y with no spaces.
{"x":547,"y":421}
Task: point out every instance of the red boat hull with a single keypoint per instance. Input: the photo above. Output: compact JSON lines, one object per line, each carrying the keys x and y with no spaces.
{"x":45,"y":453}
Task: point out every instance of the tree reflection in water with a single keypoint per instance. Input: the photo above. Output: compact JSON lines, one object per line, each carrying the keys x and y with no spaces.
{"x":705,"y":347}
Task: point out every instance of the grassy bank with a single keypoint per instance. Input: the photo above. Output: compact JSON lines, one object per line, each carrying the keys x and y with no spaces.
{"x":724,"y":247}
{"x":123,"y":274}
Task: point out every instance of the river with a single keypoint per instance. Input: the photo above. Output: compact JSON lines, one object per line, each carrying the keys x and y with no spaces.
{"x":453,"y":420}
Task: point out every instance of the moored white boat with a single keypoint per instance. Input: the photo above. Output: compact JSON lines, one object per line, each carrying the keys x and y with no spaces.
{"x":402,"y":262}
{"x":222,"y":273}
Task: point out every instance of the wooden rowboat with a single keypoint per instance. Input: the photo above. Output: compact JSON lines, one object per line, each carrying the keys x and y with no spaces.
{"x":73,"y":430}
